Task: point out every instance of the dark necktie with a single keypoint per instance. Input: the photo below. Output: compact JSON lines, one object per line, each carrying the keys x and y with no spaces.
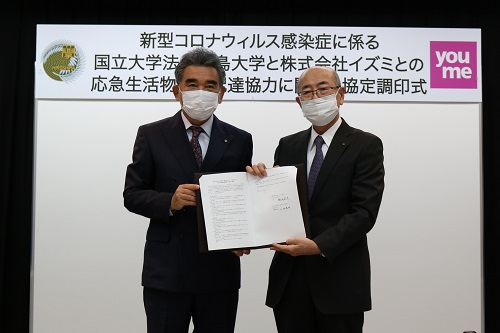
{"x":315,"y":165}
{"x":195,"y":144}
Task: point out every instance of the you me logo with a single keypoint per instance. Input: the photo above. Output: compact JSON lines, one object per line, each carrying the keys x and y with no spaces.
{"x":453,"y":65}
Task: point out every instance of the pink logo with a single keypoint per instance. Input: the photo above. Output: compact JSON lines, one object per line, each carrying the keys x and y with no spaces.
{"x":453,"y":65}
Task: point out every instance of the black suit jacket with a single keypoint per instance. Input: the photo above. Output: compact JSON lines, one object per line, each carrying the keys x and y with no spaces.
{"x":162,"y":160}
{"x":342,"y":210}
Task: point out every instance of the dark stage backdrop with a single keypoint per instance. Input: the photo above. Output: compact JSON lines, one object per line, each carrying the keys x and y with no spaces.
{"x":18,"y":32}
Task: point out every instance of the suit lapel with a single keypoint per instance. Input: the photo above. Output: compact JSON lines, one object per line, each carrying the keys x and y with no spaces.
{"x":303,"y":146}
{"x":220,"y":140}
{"x":339,"y":144}
{"x":177,"y":140}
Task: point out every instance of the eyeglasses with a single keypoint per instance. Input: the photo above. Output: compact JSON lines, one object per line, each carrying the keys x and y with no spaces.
{"x":320,"y":92}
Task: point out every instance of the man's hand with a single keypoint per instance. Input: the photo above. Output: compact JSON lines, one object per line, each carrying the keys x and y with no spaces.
{"x":239,"y":253}
{"x":257,"y":170}
{"x":298,"y":247}
{"x":184,"y":196}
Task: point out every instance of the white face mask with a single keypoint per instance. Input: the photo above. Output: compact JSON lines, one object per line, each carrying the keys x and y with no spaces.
{"x":199,"y":104}
{"x":320,"y":111}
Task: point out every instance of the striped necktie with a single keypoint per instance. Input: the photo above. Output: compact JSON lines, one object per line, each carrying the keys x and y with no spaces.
{"x":315,"y":165}
{"x":195,"y":144}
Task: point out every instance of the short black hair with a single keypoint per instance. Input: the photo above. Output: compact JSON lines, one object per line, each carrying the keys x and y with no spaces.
{"x":200,"y":56}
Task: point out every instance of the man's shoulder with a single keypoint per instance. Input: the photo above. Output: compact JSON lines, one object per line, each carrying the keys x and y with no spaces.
{"x":364,"y":134}
{"x":155,"y":123}
{"x":297,"y":135}
{"x":230,"y":128}
{"x":158,"y":123}
{"x":357,"y":131}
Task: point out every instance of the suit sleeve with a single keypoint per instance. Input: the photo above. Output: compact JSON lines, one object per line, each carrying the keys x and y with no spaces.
{"x":139,"y":194}
{"x":367,"y":186}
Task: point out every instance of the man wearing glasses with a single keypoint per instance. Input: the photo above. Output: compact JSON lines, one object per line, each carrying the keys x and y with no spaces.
{"x":321,"y":283}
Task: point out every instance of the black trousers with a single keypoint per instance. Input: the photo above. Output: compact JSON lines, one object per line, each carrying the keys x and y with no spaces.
{"x":170,"y":312}
{"x":296,"y":312}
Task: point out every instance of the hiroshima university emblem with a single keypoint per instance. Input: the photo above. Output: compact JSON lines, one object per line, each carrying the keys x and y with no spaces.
{"x":63,"y":61}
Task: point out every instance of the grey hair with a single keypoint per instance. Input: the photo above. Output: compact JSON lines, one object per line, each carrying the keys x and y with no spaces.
{"x":200,"y":57}
{"x":336,"y":77}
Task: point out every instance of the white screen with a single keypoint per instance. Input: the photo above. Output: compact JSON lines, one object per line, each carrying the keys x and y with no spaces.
{"x":425,"y":247}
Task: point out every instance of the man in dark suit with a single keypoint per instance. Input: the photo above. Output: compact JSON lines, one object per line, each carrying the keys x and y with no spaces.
{"x":321,"y":283}
{"x":181,"y":283}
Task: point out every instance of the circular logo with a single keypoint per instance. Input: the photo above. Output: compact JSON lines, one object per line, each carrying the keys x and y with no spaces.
{"x":63,"y":61}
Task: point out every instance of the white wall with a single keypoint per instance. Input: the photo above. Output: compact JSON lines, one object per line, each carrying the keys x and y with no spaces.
{"x":425,"y":247}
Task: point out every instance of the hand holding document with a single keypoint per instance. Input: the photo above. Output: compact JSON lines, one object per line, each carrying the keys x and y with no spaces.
{"x":240,"y":210}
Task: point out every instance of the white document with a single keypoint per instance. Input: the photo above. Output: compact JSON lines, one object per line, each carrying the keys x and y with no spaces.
{"x":245,"y":211}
